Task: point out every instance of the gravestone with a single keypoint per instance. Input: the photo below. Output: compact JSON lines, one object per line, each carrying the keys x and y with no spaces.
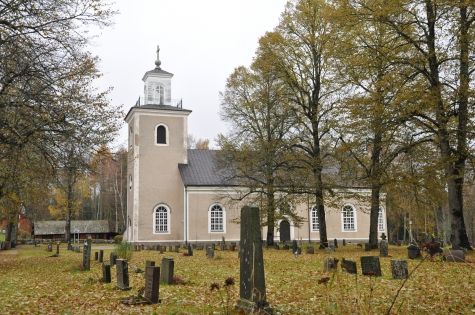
{"x":106,"y":273}
{"x":162,"y":249}
{"x":50,"y":247}
{"x":210,"y":251}
{"x":344,"y":242}
{"x":232,"y":247}
{"x":170,"y":248}
{"x":370,"y":266}
{"x":348,"y":265}
{"x":96,"y":255}
{"x":152,"y":284}
{"x":149,"y":263}
{"x":122,"y":267}
{"x":112,"y":258}
{"x":86,"y":257}
{"x":330,"y":264}
{"x":177,"y":248}
{"x":57,"y":249}
{"x":383,"y":249}
{"x":223,"y":243}
{"x":294,"y":246}
{"x":213,"y":245}
{"x":167,"y":270}
{"x":310,"y":250}
{"x":335,"y":242}
{"x":454,"y":255}
{"x":142,"y":247}
{"x":190,"y":250}
{"x":252,"y":286}
{"x":101,"y":256}
{"x":413,"y":251}
{"x":399,"y":269}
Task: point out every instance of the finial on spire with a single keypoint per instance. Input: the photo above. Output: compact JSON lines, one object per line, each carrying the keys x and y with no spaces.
{"x":157,"y":62}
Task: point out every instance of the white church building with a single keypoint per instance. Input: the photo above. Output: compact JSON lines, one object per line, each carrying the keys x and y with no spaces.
{"x":177,"y":195}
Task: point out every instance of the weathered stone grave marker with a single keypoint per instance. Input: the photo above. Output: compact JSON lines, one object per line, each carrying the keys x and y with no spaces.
{"x":310,"y":250}
{"x":399,"y":269}
{"x":252,"y":288}
{"x":86,"y":257}
{"x":348,"y":265}
{"x":330,"y":264}
{"x":106,"y":273}
{"x":223,"y":244}
{"x":101,"y":255}
{"x":370,"y":266}
{"x":295,"y":247}
{"x":152,"y":284}
{"x":413,"y":251}
{"x":210,"y":251}
{"x":335,"y":242}
{"x":57,"y":249}
{"x":454,"y":255}
{"x":112,"y":258}
{"x":232,"y":246}
{"x":190,"y":250}
{"x":96,"y":256}
{"x":383,"y":246}
{"x":122,"y":268}
{"x":167,"y":270}
{"x":344,"y":242}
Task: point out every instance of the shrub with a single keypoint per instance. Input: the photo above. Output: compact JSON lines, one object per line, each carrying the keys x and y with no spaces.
{"x":124,"y":250}
{"x":118,"y":239}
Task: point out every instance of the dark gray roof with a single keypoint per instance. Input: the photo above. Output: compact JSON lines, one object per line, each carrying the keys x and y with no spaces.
{"x":77,"y":226}
{"x":202,"y":170}
{"x":157,"y":71}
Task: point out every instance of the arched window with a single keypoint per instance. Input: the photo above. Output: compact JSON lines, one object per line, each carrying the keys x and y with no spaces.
{"x":216,"y":218}
{"x":315,"y":222}
{"x":161,"y":135}
{"x":381,"y":220}
{"x":161,"y":220}
{"x":348,"y":218}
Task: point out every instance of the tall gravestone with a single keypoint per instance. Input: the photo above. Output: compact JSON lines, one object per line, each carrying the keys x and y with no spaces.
{"x":101,"y":256}
{"x":106,"y":273}
{"x":96,"y":256}
{"x":152,"y":284}
{"x":223,"y":243}
{"x":86,"y":255}
{"x":295,"y":246}
{"x":112,"y":258}
{"x":122,"y":268}
{"x":190,"y":250}
{"x":252,"y":289}
{"x":335,"y":242}
{"x":57,"y":249}
{"x":166,"y":273}
{"x":370,"y":266}
{"x":399,"y":269}
{"x":383,"y":246}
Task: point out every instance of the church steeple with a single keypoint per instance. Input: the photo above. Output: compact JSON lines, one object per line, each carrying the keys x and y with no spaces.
{"x":157,"y":84}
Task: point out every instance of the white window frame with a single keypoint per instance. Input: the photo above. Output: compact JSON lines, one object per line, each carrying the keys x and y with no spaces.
{"x":154,"y":92}
{"x":166,"y":136}
{"x":155,"y":219}
{"x":381,"y":221}
{"x":343,"y":219}
{"x":209,"y":218}
{"x":314,"y":216}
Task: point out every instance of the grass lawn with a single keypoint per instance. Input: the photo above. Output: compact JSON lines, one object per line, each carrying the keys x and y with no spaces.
{"x":31,"y":283}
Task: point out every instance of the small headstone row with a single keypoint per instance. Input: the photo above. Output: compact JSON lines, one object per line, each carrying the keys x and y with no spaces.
{"x":370,"y":266}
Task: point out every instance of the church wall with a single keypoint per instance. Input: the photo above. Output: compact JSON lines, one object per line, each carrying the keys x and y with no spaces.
{"x":160,"y":181}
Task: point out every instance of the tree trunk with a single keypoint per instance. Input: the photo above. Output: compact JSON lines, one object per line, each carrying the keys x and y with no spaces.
{"x":374,"y":214}
{"x":319,"y":203}
{"x":270,"y":216}
{"x":9,"y":237}
{"x":69,"y":206}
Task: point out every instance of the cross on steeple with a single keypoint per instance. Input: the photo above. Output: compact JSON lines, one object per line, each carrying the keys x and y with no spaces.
{"x":158,"y":62}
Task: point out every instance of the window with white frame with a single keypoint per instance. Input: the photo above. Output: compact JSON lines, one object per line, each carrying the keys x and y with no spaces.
{"x":381,"y":220}
{"x":315,"y":222}
{"x":161,"y":219}
{"x":216,"y":218}
{"x":161,"y":134}
{"x":348,"y":218}
{"x":155,"y":94}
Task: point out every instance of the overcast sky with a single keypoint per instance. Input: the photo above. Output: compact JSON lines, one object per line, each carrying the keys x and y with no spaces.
{"x":201,"y":42}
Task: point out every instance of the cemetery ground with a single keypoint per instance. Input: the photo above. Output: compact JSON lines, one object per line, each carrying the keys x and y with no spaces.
{"x":31,"y":282}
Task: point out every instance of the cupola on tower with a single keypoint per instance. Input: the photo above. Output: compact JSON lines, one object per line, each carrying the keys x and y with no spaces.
{"x":157,"y":85}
